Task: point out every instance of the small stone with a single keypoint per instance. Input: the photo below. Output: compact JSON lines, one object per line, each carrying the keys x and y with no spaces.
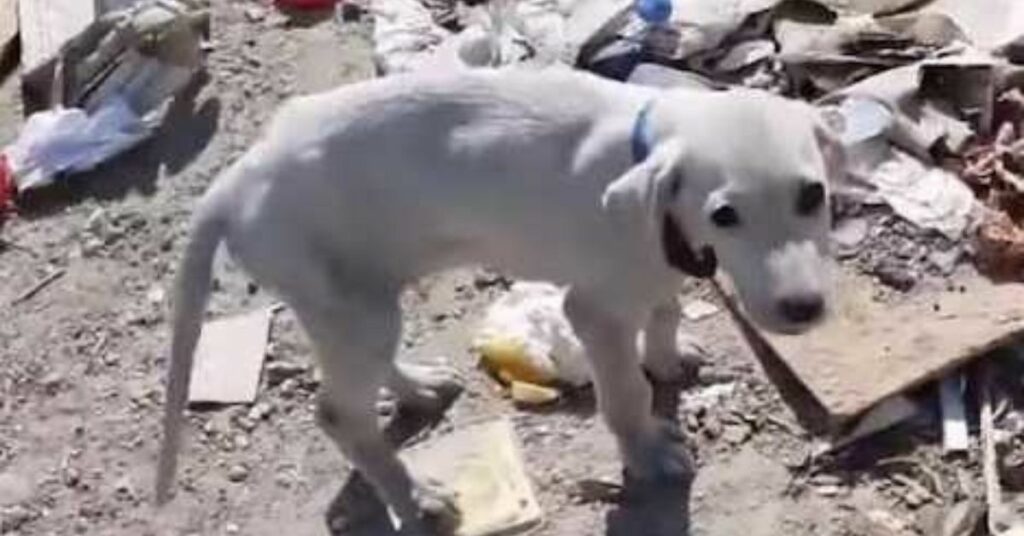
{"x":289,"y":387}
{"x":255,"y":14}
{"x":712,"y":428}
{"x":894,"y":275}
{"x":945,"y":261}
{"x":828,"y":490}
{"x":279,"y":371}
{"x":91,"y":247}
{"x":111,"y":359}
{"x":156,"y":295}
{"x":848,"y":235}
{"x":283,"y":480}
{"x":97,"y":222}
{"x":123,"y":489}
{"x":52,"y":382}
{"x":246,"y":423}
{"x":736,"y":434}
{"x":71,"y":476}
{"x":260,"y":411}
{"x":699,"y":310}
{"x":238,"y":473}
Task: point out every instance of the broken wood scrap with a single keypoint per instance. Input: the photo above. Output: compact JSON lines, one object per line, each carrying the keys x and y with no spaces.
{"x":900,"y":344}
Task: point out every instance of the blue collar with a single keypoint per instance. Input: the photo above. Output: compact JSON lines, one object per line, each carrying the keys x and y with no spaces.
{"x":641,"y":138}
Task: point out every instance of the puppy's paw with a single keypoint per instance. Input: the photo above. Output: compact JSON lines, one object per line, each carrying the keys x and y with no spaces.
{"x":661,"y":457}
{"x":679,"y":365}
{"x":437,"y":514}
{"x":427,"y":387}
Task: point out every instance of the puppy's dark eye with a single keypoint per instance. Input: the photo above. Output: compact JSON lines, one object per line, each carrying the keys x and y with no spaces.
{"x":725,"y":216}
{"x":810,"y":198}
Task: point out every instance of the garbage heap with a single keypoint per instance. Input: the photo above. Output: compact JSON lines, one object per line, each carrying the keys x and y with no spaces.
{"x":928,"y":94}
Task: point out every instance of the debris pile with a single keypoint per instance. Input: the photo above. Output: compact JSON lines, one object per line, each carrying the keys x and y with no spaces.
{"x":928,"y":100}
{"x":106,"y":89}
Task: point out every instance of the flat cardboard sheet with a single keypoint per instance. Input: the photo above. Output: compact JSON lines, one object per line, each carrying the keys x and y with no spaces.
{"x":871,"y":350}
{"x":229,"y":359}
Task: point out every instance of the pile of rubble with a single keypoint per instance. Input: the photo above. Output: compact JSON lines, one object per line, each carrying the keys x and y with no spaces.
{"x":927,"y":98}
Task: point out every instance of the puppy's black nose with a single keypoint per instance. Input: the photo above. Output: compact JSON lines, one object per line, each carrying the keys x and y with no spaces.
{"x":803,"y":308}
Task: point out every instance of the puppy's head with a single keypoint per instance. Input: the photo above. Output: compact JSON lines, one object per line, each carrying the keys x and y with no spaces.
{"x":740,"y":181}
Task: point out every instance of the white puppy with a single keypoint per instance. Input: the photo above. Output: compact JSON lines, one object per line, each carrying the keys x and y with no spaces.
{"x":617,"y":191}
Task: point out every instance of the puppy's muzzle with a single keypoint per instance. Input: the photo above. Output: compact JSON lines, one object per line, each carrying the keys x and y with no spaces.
{"x":802,"y":308}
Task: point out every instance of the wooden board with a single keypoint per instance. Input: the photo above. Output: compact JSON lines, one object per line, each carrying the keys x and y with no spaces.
{"x":870,"y":350}
{"x":46,"y":25}
{"x":229,"y":359}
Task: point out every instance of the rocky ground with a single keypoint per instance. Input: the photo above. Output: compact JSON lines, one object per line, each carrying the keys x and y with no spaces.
{"x":82,"y":362}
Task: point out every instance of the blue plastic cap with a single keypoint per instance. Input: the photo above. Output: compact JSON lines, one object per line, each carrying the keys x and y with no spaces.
{"x":654,"y":11}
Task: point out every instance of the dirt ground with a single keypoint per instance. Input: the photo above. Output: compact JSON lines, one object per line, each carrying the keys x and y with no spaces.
{"x":82,"y":362}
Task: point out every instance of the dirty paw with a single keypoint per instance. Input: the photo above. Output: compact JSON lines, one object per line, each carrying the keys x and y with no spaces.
{"x":662,"y":457}
{"x":436,"y":513}
{"x":426,"y":386}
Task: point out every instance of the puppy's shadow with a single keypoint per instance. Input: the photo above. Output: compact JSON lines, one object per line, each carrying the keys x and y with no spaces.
{"x":658,"y":509}
{"x":355,"y":509}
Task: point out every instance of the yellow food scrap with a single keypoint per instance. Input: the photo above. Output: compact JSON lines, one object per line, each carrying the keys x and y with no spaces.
{"x":508,"y":360}
{"x":533,"y":395}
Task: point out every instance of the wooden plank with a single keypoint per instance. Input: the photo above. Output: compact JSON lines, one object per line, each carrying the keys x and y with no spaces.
{"x":870,"y":350}
{"x":46,"y":25}
{"x":229,"y":358}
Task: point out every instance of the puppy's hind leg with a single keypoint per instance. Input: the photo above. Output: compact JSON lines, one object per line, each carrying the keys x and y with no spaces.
{"x":355,"y":336}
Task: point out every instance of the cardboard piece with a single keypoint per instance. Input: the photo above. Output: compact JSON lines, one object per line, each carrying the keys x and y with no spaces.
{"x":48,"y":24}
{"x":870,"y":350}
{"x":229,"y":358}
{"x":481,"y":464}
{"x":8,"y":27}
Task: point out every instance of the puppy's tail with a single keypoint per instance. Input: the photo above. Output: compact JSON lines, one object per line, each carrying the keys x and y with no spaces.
{"x":192,"y":289}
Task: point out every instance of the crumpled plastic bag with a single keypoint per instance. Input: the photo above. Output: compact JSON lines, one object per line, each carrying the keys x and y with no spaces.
{"x":115,"y":78}
{"x":404,"y":34}
{"x":502,"y":32}
{"x":929,"y":197}
{"x":525,"y":337}
{"x":69,"y":140}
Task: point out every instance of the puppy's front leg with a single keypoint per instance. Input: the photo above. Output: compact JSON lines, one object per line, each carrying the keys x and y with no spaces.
{"x":669,"y":358}
{"x":651,"y":449}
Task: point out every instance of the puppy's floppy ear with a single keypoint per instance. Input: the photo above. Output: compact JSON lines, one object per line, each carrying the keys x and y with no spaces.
{"x":635,"y":198}
{"x":681,"y":255}
{"x":638,"y":199}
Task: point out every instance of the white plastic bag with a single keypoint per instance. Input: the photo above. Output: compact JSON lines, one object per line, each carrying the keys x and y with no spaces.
{"x":530,"y":315}
{"x":929,"y":197}
{"x":69,"y":140}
